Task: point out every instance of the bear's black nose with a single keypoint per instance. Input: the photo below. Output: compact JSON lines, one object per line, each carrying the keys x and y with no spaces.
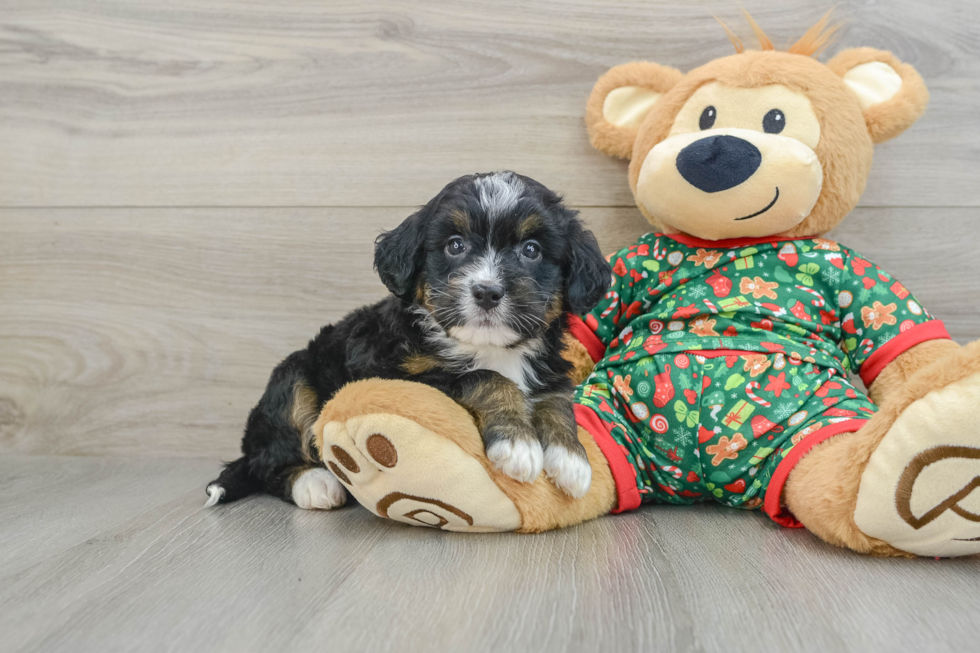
{"x":487,"y":296}
{"x":717,"y":163}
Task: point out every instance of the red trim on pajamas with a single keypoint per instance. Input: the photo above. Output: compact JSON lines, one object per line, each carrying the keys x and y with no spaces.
{"x":581,"y":332}
{"x":773,"y":504}
{"x":623,"y":473}
{"x":729,"y":243}
{"x":879,"y":359}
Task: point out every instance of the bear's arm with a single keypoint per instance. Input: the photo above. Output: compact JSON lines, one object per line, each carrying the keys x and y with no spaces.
{"x":894,"y":376}
{"x":884,"y":324}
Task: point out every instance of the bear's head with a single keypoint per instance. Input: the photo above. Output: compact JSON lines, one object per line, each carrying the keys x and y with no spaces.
{"x":760,"y":143}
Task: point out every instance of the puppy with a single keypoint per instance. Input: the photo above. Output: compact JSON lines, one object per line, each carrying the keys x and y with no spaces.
{"x":481,"y":278}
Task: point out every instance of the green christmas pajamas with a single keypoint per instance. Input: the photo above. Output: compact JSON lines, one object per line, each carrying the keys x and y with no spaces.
{"x":719,"y":364}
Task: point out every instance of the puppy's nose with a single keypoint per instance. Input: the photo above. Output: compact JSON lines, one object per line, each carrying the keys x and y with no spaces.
{"x":487,"y":296}
{"x":717,"y":163}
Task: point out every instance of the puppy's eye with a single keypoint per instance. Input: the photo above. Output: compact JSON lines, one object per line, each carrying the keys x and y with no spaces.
{"x":455,"y":246}
{"x":708,"y":117}
{"x":531,"y":250}
{"x":774,"y":121}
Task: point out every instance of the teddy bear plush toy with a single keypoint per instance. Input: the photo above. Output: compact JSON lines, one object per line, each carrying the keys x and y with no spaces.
{"x":717,"y":366}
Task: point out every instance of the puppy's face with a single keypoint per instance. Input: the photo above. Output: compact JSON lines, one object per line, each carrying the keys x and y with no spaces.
{"x":494,"y":259}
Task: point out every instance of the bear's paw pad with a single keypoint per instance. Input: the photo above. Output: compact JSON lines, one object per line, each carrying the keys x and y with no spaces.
{"x":402,"y":471}
{"x":921,"y":489}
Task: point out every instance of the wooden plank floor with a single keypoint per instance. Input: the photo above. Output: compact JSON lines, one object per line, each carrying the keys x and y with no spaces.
{"x":189,"y":189}
{"x":262,"y":575}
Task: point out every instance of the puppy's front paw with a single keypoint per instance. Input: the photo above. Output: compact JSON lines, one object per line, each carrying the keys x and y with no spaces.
{"x":317,"y":489}
{"x":521,"y":459}
{"x":569,"y":470}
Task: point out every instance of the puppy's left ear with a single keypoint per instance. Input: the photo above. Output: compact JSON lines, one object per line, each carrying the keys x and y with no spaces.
{"x":399,"y":254}
{"x":587,"y":273}
{"x":891,"y":93}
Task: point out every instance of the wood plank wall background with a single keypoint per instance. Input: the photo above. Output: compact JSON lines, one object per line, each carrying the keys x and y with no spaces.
{"x":188,"y":189}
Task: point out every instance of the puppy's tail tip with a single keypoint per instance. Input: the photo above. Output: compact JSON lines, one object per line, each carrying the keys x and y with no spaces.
{"x":234,"y":482}
{"x":215,"y":493}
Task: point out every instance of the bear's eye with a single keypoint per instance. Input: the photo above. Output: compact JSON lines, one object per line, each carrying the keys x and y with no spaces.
{"x":455,"y":246}
{"x":774,"y":121}
{"x":707,"y":118}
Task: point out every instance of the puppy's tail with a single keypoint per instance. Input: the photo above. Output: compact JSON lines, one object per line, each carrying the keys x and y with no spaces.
{"x":234,"y":483}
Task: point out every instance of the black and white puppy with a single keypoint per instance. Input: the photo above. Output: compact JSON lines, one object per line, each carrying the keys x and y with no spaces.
{"x":481,"y":278}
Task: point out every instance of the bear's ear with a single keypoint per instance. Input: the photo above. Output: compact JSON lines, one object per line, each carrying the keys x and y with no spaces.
{"x":619,"y":102}
{"x":892,"y":94}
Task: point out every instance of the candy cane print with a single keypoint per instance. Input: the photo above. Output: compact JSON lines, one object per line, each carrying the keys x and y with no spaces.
{"x":754,"y":385}
{"x":673,"y":471}
{"x":867,"y":345}
{"x":614,"y":296}
{"x":711,"y":307}
{"x":819,"y":301}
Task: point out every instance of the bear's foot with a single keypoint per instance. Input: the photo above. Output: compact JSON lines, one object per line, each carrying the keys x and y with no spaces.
{"x":920,"y":491}
{"x":401,"y":470}
{"x":408,"y":452}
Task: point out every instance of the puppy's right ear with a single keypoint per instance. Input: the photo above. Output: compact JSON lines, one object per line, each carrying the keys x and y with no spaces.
{"x":400,"y":253}
{"x":621,"y":99}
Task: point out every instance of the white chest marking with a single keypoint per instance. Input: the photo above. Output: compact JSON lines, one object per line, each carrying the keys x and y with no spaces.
{"x":510,"y":363}
{"x":485,"y":349}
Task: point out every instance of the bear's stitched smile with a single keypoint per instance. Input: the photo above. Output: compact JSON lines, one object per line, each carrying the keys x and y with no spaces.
{"x":758,"y":213}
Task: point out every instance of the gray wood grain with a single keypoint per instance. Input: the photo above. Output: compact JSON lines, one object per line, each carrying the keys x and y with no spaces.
{"x":133,"y":340}
{"x":128,"y":103}
{"x":263,"y":575}
{"x":153,"y":331}
{"x":51,"y":504}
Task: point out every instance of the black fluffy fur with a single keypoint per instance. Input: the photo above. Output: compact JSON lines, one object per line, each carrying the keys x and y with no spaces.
{"x":413,"y":262}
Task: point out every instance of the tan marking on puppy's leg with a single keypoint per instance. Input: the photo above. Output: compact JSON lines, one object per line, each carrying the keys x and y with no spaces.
{"x":419,"y":364}
{"x":554,"y":419}
{"x":565,"y":461}
{"x":302,"y":416}
{"x":502,"y":414}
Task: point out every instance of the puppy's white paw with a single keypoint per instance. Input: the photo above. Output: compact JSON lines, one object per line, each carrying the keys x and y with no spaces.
{"x":522,"y":460}
{"x":318,"y":489}
{"x":568,"y":470}
{"x":215,"y":492}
